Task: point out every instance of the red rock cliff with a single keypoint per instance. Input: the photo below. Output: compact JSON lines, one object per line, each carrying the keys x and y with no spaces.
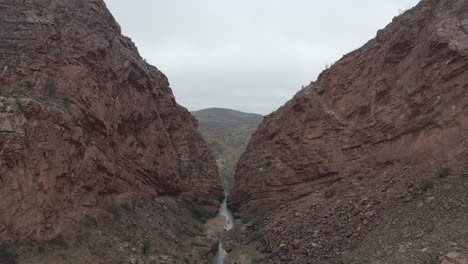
{"x":362,"y":137}
{"x":400,"y":99}
{"x":82,"y":116}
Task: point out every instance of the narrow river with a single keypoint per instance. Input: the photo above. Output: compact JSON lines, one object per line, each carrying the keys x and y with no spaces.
{"x":224,"y":211}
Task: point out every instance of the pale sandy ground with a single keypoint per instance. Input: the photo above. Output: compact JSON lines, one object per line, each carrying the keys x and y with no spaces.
{"x":215,"y":227}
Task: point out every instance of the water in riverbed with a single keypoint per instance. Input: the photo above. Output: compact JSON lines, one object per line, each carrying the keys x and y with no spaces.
{"x":224,"y":211}
{"x":220,"y":255}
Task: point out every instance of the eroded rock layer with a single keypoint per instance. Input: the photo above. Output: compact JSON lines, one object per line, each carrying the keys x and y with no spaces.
{"x":83,"y":116}
{"x":372,"y":126}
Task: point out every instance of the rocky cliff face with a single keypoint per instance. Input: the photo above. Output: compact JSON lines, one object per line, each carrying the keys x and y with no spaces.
{"x":392,"y":112}
{"x":83,"y":117}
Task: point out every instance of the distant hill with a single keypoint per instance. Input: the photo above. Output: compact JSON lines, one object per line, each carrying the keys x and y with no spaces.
{"x":227,"y":133}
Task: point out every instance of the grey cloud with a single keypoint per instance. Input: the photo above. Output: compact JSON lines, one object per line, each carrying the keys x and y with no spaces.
{"x":250,"y":55}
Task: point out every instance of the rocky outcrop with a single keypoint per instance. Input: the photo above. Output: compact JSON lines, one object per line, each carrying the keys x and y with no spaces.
{"x":392,"y":113}
{"x":83,"y":117}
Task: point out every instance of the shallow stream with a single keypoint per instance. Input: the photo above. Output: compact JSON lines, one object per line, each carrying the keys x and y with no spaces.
{"x":224,"y":211}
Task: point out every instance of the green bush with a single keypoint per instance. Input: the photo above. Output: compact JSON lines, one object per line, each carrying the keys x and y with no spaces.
{"x":254,"y":236}
{"x":14,"y":91}
{"x":246,"y":217}
{"x":207,"y":200}
{"x":88,"y":221}
{"x":113,"y":209}
{"x":81,"y":3}
{"x":19,"y":106}
{"x":6,"y":256}
{"x":59,"y":241}
{"x":146,"y":247}
{"x":50,"y":87}
{"x":444,"y":173}
{"x":28,"y":84}
{"x":329,"y":193}
{"x":66,"y":16}
{"x":36,"y":3}
{"x":198,"y":212}
{"x":426,"y":185}
{"x":346,"y":257}
{"x":360,"y":177}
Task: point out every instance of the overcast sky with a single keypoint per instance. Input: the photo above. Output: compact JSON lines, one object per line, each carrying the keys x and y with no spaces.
{"x":249,"y":55}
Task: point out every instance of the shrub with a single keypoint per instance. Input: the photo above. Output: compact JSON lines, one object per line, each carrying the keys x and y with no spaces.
{"x":88,"y":221}
{"x":13,"y":91}
{"x":66,"y":16}
{"x":198,"y":212}
{"x":246,"y":217}
{"x":50,"y":87}
{"x":426,"y":185}
{"x":6,"y":256}
{"x":113,"y":209}
{"x":379,"y":39}
{"x":207,"y":200}
{"x":346,"y":257}
{"x":36,"y":3}
{"x":19,"y":106}
{"x":28,"y":84}
{"x":254,"y":236}
{"x":146,"y":247}
{"x":81,"y":3}
{"x":444,"y":173}
{"x":59,"y":241}
{"x":329,"y":193}
{"x":360,"y":177}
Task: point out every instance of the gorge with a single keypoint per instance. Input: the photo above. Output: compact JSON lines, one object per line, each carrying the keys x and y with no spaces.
{"x":100,"y":164}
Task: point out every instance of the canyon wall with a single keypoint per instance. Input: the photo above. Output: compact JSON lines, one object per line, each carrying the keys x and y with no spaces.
{"x":84,"y":117}
{"x":361,"y":138}
{"x":400,"y":99}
